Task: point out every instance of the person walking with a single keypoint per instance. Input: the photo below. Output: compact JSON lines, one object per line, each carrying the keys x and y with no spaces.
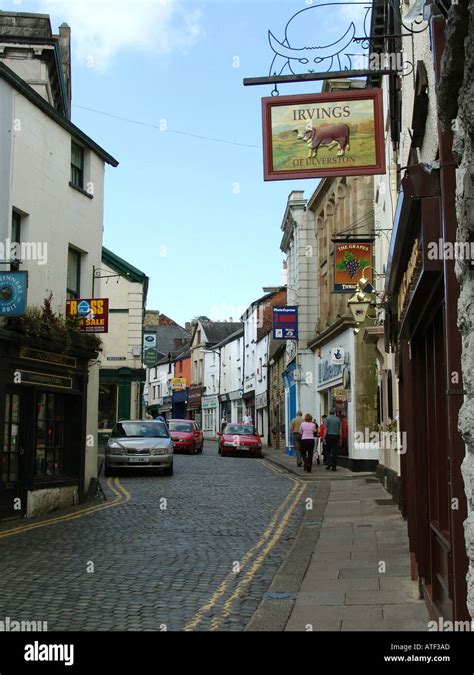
{"x":247,"y":418}
{"x":324,"y":451}
{"x":295,"y":431}
{"x":333,"y":437}
{"x":308,"y":433}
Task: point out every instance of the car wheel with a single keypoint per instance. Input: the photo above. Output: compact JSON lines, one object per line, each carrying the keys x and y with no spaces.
{"x":168,"y":471}
{"x":201,"y":448}
{"x":194,"y":449}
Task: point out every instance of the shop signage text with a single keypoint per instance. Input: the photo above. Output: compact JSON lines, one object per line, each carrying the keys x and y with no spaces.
{"x":352,"y":260}
{"x":285,"y":323}
{"x":93,"y":314}
{"x":47,"y":357}
{"x":409,"y":277}
{"x":30,"y":377}
{"x":209,"y":402}
{"x":328,"y":372}
{"x":13,"y":290}
{"x":178,"y":383}
{"x":328,"y":134}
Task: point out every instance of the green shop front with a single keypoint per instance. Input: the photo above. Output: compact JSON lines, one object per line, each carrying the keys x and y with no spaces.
{"x":43,"y":415}
{"x":120,"y":397}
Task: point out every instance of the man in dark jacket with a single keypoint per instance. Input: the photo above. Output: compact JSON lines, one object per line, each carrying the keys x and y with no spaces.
{"x":333,"y":438}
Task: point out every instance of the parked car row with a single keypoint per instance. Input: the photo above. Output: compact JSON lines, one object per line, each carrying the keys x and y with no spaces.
{"x":151,"y":444}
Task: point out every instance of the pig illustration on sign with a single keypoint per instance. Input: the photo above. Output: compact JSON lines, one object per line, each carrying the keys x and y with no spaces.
{"x":295,"y":53}
{"x":331,"y":135}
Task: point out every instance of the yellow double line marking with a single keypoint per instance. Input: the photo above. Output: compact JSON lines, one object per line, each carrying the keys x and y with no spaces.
{"x":296,"y":492}
{"x":121,"y":497}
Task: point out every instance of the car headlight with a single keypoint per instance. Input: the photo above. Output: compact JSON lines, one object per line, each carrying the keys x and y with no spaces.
{"x":114,"y":449}
{"x":258,"y":446}
{"x":162,"y":451}
{"x":230,"y":444}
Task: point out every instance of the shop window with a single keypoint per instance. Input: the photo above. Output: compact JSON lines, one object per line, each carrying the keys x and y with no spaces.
{"x":10,"y":454}
{"x":49,"y":442}
{"x":108,"y":395}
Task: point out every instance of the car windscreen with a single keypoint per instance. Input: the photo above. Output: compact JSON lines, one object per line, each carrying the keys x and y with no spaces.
{"x":180,"y":426}
{"x":239,"y":429}
{"x":140,"y":430}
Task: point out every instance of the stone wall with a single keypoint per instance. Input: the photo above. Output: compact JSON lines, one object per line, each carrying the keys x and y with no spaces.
{"x":456,"y":105}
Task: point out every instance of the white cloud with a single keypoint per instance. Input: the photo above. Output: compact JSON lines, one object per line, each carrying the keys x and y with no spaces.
{"x":100,"y":29}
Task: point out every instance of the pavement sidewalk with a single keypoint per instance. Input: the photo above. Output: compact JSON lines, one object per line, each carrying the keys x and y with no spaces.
{"x":349,"y":568}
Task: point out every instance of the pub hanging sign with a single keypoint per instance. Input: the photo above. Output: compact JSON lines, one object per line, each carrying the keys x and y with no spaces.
{"x":352,"y":260}
{"x":93,"y":314}
{"x":330,"y":134}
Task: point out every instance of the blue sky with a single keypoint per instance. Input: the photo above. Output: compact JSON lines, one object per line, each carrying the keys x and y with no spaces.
{"x":195,"y":215}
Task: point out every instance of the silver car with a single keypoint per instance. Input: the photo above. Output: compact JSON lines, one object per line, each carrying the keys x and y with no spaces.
{"x":139,"y":444}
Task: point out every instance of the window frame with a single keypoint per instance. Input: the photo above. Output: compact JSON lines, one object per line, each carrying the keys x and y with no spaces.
{"x":71,"y":293}
{"x":77,"y":168}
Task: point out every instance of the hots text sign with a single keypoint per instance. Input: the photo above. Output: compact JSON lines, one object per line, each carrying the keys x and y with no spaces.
{"x":352,"y":259}
{"x":92,"y":313}
{"x":317,"y":135}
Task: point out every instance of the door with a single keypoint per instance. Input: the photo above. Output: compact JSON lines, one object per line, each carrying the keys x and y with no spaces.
{"x":12,"y":483}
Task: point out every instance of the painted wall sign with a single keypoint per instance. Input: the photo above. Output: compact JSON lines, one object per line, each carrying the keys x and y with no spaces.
{"x":13,"y":290}
{"x":352,"y":259}
{"x":92,"y":312}
{"x":330,"y":134}
{"x":285,"y":323}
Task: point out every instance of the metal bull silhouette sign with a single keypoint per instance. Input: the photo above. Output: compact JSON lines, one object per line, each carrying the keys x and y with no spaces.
{"x":330,"y":134}
{"x":296,"y":53}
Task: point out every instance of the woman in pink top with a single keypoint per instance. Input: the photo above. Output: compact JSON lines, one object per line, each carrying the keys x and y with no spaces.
{"x":308,"y":431}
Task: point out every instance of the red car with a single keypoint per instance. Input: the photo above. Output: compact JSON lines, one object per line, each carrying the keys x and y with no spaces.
{"x":186,"y":435}
{"x":240,"y":439}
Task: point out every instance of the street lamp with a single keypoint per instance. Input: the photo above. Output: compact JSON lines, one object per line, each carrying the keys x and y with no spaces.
{"x":361,"y":301}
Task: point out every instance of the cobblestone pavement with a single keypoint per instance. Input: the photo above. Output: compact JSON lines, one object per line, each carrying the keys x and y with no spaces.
{"x":158,"y":568}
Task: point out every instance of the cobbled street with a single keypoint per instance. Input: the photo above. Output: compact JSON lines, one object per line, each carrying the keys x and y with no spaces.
{"x":164,"y":560}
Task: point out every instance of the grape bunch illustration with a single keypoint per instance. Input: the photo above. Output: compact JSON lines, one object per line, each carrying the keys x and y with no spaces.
{"x":352,"y":265}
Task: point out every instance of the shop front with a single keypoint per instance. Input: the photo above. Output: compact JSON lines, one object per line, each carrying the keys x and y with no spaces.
{"x":166,"y":409}
{"x":120,"y":397}
{"x":290,"y":404}
{"x":210,"y":416}
{"x":421,"y":328}
{"x":194,"y":409}
{"x":249,"y":398}
{"x":226,"y":408}
{"x":349,"y":388}
{"x":43,"y":413}
{"x":261,"y":406}
{"x":179,"y":405}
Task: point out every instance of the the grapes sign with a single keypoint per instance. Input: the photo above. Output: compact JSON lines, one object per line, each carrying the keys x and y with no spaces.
{"x":352,"y":260}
